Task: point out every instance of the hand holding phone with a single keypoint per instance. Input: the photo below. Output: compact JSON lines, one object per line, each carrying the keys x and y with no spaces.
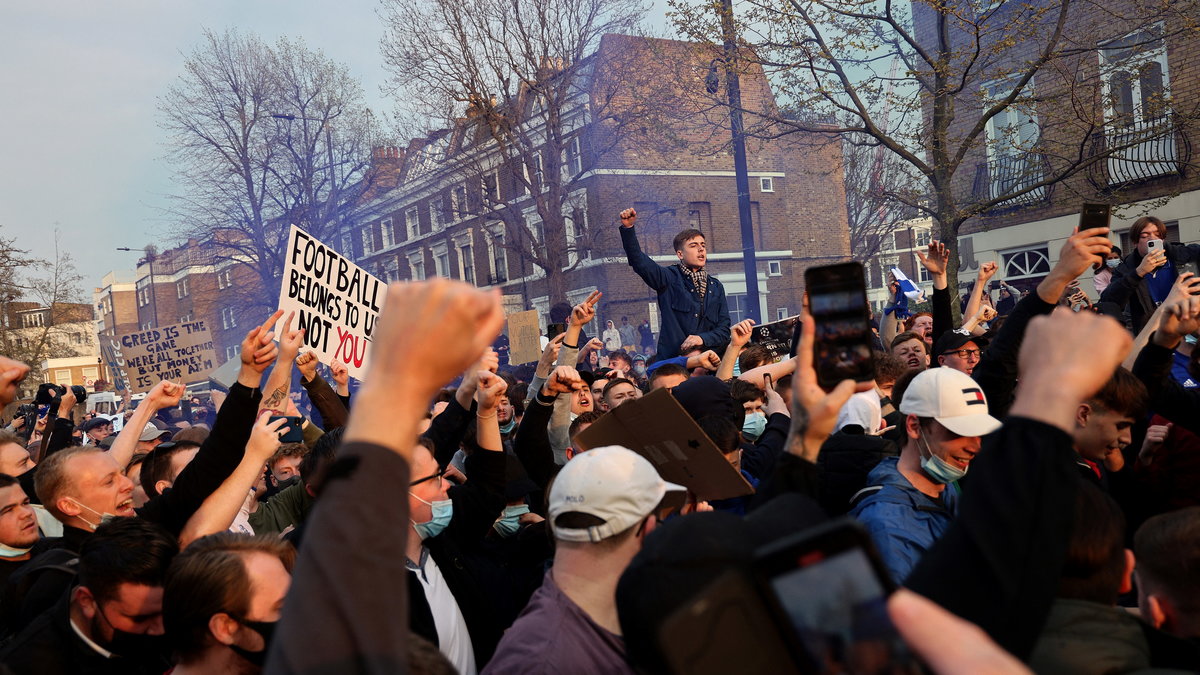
{"x":295,"y":430}
{"x":838,"y":306}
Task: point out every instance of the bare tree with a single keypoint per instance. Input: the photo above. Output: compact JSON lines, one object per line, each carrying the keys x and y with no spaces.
{"x":878,"y":191}
{"x":522,"y":83}
{"x":263,"y":136}
{"x":992,"y":103}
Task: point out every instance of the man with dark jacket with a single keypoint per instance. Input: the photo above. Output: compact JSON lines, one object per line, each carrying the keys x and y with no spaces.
{"x":1144,"y":278}
{"x":691,"y":302}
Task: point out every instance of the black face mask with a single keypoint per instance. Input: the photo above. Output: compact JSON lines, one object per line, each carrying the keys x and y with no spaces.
{"x":140,"y":647}
{"x":265,"y":629}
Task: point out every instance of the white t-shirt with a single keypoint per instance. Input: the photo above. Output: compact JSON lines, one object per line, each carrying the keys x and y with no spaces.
{"x":454,"y":640}
{"x":862,"y":409}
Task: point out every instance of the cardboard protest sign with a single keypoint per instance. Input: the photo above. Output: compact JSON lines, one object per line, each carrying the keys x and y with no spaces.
{"x":777,"y":336}
{"x":524,"y":337}
{"x":337,"y":303}
{"x":659,"y":429}
{"x":179,"y":353}
{"x":116,"y":369}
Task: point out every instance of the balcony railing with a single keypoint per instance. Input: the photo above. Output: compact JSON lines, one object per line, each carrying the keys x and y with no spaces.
{"x":1009,"y":174}
{"x":1141,"y":151}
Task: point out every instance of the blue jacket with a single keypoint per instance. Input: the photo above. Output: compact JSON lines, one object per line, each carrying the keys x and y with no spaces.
{"x":903,"y":521}
{"x":679,"y":302}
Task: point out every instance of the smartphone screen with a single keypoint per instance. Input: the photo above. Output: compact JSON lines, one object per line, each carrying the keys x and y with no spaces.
{"x":295,"y":432}
{"x":1094,"y":215}
{"x":830,"y":590}
{"x":555,"y":329}
{"x":837,"y":298}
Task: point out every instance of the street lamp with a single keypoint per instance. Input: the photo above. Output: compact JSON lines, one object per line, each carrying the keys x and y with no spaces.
{"x":149,"y":258}
{"x":733,"y":92}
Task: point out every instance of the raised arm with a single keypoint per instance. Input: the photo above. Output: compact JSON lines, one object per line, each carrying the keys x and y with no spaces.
{"x":935,"y":261}
{"x":433,"y":331}
{"x":757,"y":376}
{"x":1185,"y":285}
{"x":218,"y":511}
{"x":165,"y":394}
{"x":650,"y":272}
{"x":279,"y":384}
{"x":328,"y":404}
{"x":739,"y":336}
{"x":986,"y":271}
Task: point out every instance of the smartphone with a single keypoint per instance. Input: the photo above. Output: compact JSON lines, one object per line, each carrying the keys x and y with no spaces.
{"x":1153,"y":245}
{"x":837,"y":298}
{"x":553,"y":330}
{"x":1189,"y":266}
{"x":828,"y":590}
{"x":295,"y":430}
{"x":1094,"y":215}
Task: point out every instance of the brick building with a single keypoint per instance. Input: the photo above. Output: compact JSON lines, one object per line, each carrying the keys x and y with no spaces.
{"x":1135,"y":86}
{"x":59,"y":342}
{"x":450,"y":213}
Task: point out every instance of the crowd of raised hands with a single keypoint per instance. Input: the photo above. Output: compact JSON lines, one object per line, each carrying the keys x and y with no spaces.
{"x":339,"y":570}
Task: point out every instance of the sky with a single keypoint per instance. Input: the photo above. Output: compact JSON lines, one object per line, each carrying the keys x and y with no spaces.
{"x":82,"y":153}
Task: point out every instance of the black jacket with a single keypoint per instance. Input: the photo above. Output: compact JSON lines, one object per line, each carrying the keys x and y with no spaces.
{"x":1127,"y":288}
{"x":996,"y":372}
{"x":472,"y":576}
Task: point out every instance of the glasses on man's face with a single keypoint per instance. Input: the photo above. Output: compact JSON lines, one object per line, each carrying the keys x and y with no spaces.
{"x":439,"y":476}
{"x":968,"y":354}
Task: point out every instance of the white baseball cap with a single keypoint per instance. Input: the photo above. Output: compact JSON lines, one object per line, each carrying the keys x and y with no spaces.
{"x":952,"y":398}
{"x":612,"y":483}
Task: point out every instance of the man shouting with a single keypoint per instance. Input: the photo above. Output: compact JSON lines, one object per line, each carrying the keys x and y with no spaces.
{"x":691,"y":303}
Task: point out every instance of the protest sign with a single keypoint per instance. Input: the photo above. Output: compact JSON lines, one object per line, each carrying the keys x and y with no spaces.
{"x":778,"y":336}
{"x":659,"y":429}
{"x":524,"y":337}
{"x":336,"y":302}
{"x":179,"y":353}
{"x":116,"y":369}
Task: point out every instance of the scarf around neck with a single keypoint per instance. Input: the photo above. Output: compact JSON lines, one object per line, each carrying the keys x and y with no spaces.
{"x":699,"y":278}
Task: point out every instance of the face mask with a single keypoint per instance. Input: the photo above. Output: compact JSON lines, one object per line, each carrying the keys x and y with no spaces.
{"x":266,"y":629}
{"x":104,"y":517}
{"x":639,"y":369}
{"x":1113,"y":264}
{"x":937,"y":468}
{"x":443,"y":511}
{"x":10,"y":552}
{"x":754,"y":425}
{"x":508,"y":426}
{"x":140,"y":647}
{"x":508,"y":523}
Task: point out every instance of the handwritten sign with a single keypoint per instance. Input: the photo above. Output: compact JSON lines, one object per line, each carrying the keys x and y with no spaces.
{"x":116,"y":371}
{"x":778,"y":336}
{"x":179,"y":353}
{"x":524,"y":337}
{"x":336,"y":302}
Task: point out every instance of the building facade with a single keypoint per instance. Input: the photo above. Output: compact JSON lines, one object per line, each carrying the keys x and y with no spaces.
{"x":461,"y":209}
{"x":59,"y":342}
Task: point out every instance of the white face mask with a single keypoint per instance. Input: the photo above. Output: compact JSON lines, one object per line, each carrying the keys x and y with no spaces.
{"x":1113,"y":263}
{"x":104,"y":517}
{"x":10,"y":552}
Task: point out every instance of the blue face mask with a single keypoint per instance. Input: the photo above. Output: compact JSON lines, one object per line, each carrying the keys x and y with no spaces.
{"x":938,"y":469}
{"x":443,"y":511}
{"x":1113,"y":264}
{"x":754,"y":425}
{"x":510,"y":521}
{"x":508,"y":426}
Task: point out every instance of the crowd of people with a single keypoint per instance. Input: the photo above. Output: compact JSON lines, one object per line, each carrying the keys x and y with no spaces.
{"x":1027,"y":479}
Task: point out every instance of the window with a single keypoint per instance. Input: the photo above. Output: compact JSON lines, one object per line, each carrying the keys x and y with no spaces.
{"x":416,"y":263}
{"x":536,"y":229}
{"x":412,"y":221}
{"x":887,"y":241}
{"x":77,"y":339}
{"x":766,"y":184}
{"x":1012,"y":139}
{"x":781,"y":313}
{"x":228,"y":320}
{"x":348,"y":245}
{"x":147,"y":326}
{"x":700,"y":217}
{"x":923,"y":237}
{"x":572,"y":159}
{"x":33,"y":320}
{"x":461,"y":209}
{"x":774,"y":268}
{"x":185,"y":318}
{"x":62,"y":377}
{"x":368,"y":240}
{"x":441,"y":261}
{"x":923,"y":274}
{"x":1137,"y":92}
{"x":224,"y":279}
{"x":466,"y":263}
{"x":499,"y":261}
{"x":435,"y":215}
{"x":886,"y":263}
{"x":536,"y":175}
{"x":232,"y":352}
{"x":1026,"y":263}
{"x":389,"y":235}
{"x":491,"y":188}
{"x":391,"y":270}
{"x":737,"y":307}
{"x":181,"y":289}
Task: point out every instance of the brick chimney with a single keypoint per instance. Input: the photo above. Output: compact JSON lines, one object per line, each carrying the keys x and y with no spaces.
{"x":384,"y":174}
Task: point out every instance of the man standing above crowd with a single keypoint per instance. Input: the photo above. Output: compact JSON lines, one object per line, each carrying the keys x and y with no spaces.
{"x":1144,"y":279}
{"x":691,"y":303}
